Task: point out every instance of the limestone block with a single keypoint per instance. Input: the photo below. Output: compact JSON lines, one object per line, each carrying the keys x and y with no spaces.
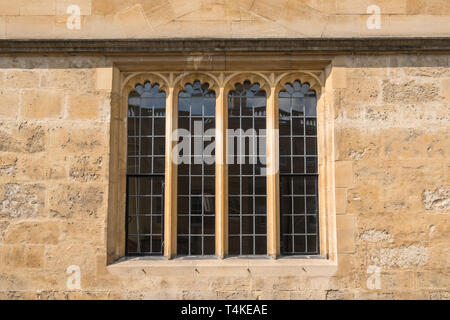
{"x":75,"y":201}
{"x":9,"y":8}
{"x":342,"y":26}
{"x":362,"y":90}
{"x":9,"y":103}
{"x":344,"y":173}
{"x":345,"y":233}
{"x":26,"y":27}
{"x":181,"y":7}
{"x":414,"y":255}
{"x":37,"y":7}
{"x":302,"y":19}
{"x":409,"y":91}
{"x":33,"y":232}
{"x":341,"y":200}
{"x":435,"y":7}
{"x":8,"y":166}
{"x":21,"y":256}
{"x":104,"y":79}
{"x":339,"y":77}
{"x":103,"y":7}
{"x":133,"y":21}
{"x":425,"y":25}
{"x":21,"y":200}
{"x":37,"y":104}
{"x":433,"y":280}
{"x":360,"y":7}
{"x":86,"y":169}
{"x":268,"y":9}
{"x":76,"y":79}
{"x":445,"y":85}
{"x":84,"y":106}
{"x":2,"y":28}
{"x":85,"y":6}
{"x":160,"y":16}
{"x":22,"y":79}
{"x":74,"y":139}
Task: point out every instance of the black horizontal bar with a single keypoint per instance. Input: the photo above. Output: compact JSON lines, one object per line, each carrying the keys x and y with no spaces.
{"x":143,"y":175}
{"x":299,"y":174}
{"x":218,"y":45}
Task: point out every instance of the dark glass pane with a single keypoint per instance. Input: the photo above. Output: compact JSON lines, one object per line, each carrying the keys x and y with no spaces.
{"x":311,"y":127}
{"x":158,"y":165}
{"x":299,"y":244}
{"x":312,"y":244}
{"x":182,"y":245}
{"x":144,"y":242}
{"x":260,"y":205}
{"x":298,"y":126}
{"x":209,"y":246}
{"x":234,"y":225}
{"x":160,"y":126}
{"x":157,"y":244}
{"x":299,"y":165}
{"x":183,"y":224}
{"x":196,"y":245}
{"x":247,"y":111}
{"x":247,"y":245}
{"x":146,"y":127}
{"x":247,"y":224}
{"x":261,"y":245}
{"x":299,"y":205}
{"x":260,"y":225}
{"x":299,"y":224}
{"x":196,"y":111}
{"x":209,"y":225}
{"x":196,"y":225}
{"x":297,"y":111}
{"x":311,"y":224}
{"x":234,"y":245}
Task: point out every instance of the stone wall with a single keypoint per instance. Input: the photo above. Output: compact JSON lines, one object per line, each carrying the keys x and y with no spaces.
{"x":391,"y":127}
{"x":107,"y":19}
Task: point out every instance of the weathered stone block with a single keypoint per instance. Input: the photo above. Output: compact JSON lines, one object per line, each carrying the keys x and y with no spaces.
{"x":9,"y":8}
{"x":84,"y":106}
{"x":414,"y":255}
{"x":133,"y":21}
{"x":76,"y":79}
{"x":75,"y":201}
{"x":409,"y":92}
{"x":22,"y":79}
{"x":346,"y":233}
{"x":78,"y":138}
{"x":341,"y":200}
{"x":20,"y":256}
{"x":37,"y":7}
{"x":9,"y":103}
{"x":86,"y":169}
{"x":33,"y":232}
{"x":36,"y":104}
{"x":62,"y":5}
{"x":344,"y":173}
{"x":21,"y":200}
{"x":438,"y":199}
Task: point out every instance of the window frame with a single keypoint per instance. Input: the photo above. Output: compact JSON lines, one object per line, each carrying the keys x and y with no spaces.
{"x":271,"y":81}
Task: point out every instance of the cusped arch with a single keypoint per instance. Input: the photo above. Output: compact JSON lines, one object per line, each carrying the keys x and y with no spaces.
{"x":183,"y":79}
{"x":253,"y":77}
{"x":304,"y":77}
{"x":130,"y":83}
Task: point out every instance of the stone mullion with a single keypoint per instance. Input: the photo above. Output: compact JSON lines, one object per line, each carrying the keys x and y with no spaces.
{"x":273,"y":198}
{"x":221,"y":176}
{"x":170,"y":192}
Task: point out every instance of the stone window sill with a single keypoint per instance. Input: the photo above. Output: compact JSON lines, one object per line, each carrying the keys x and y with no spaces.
{"x":232,"y":266}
